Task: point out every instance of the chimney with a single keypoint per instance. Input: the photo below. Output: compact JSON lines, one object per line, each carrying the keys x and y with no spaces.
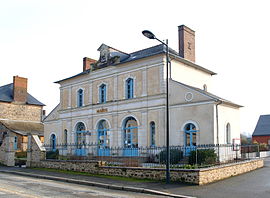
{"x":186,"y":43}
{"x":87,"y":63}
{"x":19,"y":89}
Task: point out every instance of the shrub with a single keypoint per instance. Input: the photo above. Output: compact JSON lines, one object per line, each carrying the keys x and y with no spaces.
{"x":175,"y":156}
{"x":204,"y":156}
{"x":52,"y":154}
{"x":22,"y":154}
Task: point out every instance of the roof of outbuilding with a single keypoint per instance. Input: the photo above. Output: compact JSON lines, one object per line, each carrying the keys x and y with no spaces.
{"x":144,"y":53}
{"x":23,"y":128}
{"x":6,"y":95}
{"x":263,"y":126}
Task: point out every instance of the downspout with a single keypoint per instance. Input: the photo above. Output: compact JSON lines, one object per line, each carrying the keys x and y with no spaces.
{"x":219,"y":102}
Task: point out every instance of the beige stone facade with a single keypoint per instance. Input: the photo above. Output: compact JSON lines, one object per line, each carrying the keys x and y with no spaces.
{"x":120,"y":101}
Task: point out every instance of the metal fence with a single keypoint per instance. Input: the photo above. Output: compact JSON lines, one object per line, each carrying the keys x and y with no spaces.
{"x":155,"y":157}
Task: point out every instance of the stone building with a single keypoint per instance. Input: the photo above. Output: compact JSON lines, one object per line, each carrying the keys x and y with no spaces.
{"x":20,"y":114}
{"x":119,"y":100}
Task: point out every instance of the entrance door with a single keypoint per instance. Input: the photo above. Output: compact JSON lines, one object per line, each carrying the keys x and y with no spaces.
{"x":190,"y":138}
{"x":80,"y":139}
{"x":103,"y":139}
{"x":130,"y":137}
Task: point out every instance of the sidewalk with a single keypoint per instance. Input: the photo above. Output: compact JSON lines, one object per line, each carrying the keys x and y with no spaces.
{"x":149,"y":187}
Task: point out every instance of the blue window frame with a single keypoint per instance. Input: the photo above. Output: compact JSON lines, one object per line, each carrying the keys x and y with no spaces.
{"x":129,"y":88}
{"x":80,"y":98}
{"x":130,"y":133}
{"x":103,"y":138}
{"x":153,"y":134}
{"x":80,"y":139}
{"x":15,"y":143}
{"x":102,"y":93}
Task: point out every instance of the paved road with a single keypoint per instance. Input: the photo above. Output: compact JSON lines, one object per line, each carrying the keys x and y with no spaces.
{"x":255,"y":184}
{"x":12,"y":186}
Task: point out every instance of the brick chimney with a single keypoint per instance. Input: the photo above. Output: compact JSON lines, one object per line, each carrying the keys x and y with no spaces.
{"x":19,"y":89}
{"x":186,"y":43}
{"x":87,"y":63}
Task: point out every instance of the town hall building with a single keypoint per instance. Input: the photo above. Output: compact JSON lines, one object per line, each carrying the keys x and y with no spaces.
{"x":120,"y":99}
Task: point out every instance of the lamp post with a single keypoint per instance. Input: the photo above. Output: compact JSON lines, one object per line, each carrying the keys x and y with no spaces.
{"x":150,"y":35}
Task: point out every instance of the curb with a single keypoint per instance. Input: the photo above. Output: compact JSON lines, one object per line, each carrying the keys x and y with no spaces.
{"x":97,"y":184}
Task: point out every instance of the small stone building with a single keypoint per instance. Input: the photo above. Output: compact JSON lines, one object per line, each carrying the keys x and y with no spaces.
{"x":20,"y":114}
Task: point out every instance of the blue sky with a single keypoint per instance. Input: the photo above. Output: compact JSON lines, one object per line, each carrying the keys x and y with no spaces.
{"x":46,"y":41}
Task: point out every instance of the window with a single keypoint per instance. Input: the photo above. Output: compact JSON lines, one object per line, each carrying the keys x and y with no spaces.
{"x":102,"y":93}
{"x":152,"y":134}
{"x":190,"y":135}
{"x":81,"y":134}
{"x":129,"y":88}
{"x":53,"y":142}
{"x":65,"y":137}
{"x":103,"y":136}
{"x":228,"y":134}
{"x":130,"y":133}
{"x":80,"y":98}
{"x":15,"y":143}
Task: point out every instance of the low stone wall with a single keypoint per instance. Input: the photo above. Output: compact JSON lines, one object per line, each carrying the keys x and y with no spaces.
{"x":194,"y":176}
{"x":221,"y":172}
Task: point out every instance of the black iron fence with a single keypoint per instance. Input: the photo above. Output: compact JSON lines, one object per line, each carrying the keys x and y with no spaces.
{"x":155,"y":157}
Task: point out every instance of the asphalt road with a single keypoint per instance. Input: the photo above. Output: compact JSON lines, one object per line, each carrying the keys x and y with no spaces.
{"x":255,"y":184}
{"x":12,"y":186}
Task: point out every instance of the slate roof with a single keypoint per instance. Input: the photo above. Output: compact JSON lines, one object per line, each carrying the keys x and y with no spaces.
{"x":35,"y":128}
{"x":215,"y":97}
{"x":151,"y":51}
{"x":263,"y":126}
{"x":6,"y":95}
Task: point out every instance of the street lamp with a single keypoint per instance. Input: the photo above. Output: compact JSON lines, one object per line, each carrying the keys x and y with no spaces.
{"x":150,"y":35}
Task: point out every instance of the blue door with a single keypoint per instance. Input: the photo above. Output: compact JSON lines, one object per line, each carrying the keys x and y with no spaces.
{"x":190,"y":138}
{"x":80,"y":139}
{"x":130,"y":137}
{"x":103,"y":139}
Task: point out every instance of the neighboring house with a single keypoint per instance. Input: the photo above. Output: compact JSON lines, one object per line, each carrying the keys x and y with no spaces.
{"x":261,"y":133}
{"x":20,"y":114}
{"x":120,"y":100}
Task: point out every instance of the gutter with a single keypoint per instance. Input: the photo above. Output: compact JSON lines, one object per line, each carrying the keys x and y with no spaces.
{"x":219,"y":102}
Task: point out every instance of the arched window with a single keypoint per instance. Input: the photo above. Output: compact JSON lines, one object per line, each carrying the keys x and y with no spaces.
{"x":53,"y":142}
{"x":228,"y":134}
{"x":80,"y":98}
{"x":103,"y":136}
{"x":129,"y":88}
{"x":130,"y":133}
{"x":65,"y":137}
{"x":81,"y":135}
{"x":102,"y":93}
{"x":190,"y":134}
{"x":15,"y":143}
{"x":152,"y":134}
